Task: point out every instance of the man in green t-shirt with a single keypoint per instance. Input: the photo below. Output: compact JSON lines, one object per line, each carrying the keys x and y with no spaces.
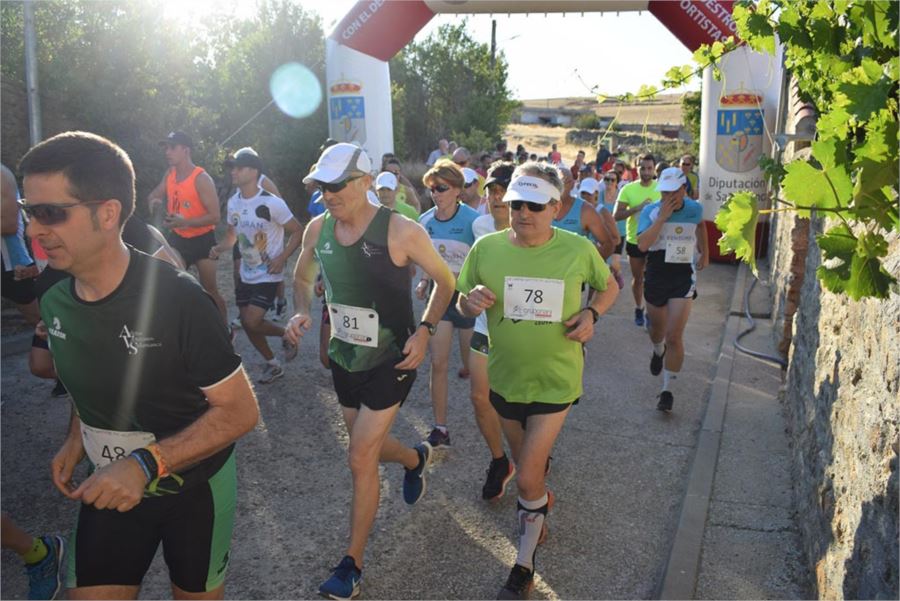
{"x":528,"y":279}
{"x":386,"y":187}
{"x":631,"y":201}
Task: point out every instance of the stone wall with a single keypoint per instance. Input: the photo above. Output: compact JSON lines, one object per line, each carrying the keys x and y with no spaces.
{"x":842,"y":396}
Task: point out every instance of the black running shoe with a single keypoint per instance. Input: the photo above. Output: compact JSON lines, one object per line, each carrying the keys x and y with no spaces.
{"x":639,"y":317}
{"x":59,"y":390}
{"x":499,"y":473}
{"x":666,"y":400}
{"x":656,"y":362}
{"x":518,"y":585}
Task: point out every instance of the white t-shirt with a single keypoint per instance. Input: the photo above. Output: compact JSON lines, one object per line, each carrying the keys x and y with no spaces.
{"x":259,"y":225}
{"x":481,"y":227}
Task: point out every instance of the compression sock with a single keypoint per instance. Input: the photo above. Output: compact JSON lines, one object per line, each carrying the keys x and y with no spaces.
{"x":36,"y":553}
{"x":531,"y":521}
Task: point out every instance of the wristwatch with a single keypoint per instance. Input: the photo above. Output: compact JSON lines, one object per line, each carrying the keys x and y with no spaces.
{"x":429,"y":326}
{"x":594,"y":313}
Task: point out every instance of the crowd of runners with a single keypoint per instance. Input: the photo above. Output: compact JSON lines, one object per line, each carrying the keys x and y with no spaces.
{"x":517,"y":259}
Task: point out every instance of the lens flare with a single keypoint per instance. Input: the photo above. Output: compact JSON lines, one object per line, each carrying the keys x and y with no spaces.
{"x":295,"y":90}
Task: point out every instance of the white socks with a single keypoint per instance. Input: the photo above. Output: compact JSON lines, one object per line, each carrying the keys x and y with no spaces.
{"x":659,"y":348}
{"x":669,"y":378}
{"x":531,"y":522}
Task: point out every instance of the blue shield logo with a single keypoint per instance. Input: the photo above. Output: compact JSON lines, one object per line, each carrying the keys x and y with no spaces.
{"x":739,"y":138}
{"x":348,"y":118}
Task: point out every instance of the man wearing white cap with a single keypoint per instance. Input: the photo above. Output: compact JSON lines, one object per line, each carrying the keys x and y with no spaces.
{"x":671,"y":233}
{"x":365,"y":252}
{"x":470,"y":194}
{"x":386,"y":188}
{"x":528,"y":278}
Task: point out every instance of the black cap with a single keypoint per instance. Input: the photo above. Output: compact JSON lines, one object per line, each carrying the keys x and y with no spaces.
{"x":177,"y":137}
{"x":500,"y":174}
{"x":244,"y":159}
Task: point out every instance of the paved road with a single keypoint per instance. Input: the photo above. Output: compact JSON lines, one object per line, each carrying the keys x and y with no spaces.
{"x":618,"y":473}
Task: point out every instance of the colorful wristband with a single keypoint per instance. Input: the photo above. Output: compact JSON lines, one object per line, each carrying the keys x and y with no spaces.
{"x":162,"y":470}
{"x":140,"y":460}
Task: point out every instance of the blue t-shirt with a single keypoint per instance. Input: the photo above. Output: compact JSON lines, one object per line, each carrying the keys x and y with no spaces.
{"x":451,"y":238}
{"x":674,"y":251}
{"x":610,"y":205}
{"x":315,"y":207}
{"x":571,"y":221}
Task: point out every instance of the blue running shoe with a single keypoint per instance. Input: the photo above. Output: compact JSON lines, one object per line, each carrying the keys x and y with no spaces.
{"x":344,"y":581}
{"x":45,"y":578}
{"x":414,"y":479}
{"x":639,"y":317}
{"x":438,"y":438}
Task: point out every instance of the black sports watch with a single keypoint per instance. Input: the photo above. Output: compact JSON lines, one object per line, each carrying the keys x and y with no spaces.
{"x":594,"y":313}
{"x":429,"y":326}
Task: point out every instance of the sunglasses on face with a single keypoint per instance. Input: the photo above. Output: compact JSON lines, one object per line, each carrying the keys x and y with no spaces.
{"x":609,"y":179}
{"x":471,"y":183}
{"x":687,"y":164}
{"x":534,"y":207}
{"x":440,"y":188}
{"x":335,"y":187}
{"x":52,"y":214}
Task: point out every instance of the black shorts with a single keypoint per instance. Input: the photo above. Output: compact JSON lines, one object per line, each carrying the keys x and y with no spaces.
{"x":658,"y":291}
{"x":452,"y":315}
{"x":378,"y":388}
{"x":193,"y":249}
{"x":194,"y":526}
{"x":20,"y":292}
{"x":520,"y":412}
{"x":480,"y":343}
{"x":618,"y":249}
{"x":260,"y":295}
{"x":634,"y":252}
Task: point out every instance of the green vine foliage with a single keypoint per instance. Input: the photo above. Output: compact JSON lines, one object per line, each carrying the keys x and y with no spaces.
{"x":844,"y":56}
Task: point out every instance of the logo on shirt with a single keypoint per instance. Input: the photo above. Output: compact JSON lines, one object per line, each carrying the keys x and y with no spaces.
{"x":369,"y":251}
{"x":235,"y":219}
{"x":135,"y":341}
{"x":326,"y":249}
{"x":678,"y":229}
{"x":56,"y":329}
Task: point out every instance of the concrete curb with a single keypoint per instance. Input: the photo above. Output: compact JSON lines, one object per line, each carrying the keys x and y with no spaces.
{"x":680,"y":575}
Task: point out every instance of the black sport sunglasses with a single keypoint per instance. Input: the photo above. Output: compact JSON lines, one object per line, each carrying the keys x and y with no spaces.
{"x":534,"y":207}
{"x":51,"y":213}
{"x":335,"y":187}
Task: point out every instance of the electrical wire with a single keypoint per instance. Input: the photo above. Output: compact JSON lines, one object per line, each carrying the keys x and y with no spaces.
{"x":749,"y":316}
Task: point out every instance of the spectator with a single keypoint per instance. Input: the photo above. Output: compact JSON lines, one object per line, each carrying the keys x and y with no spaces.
{"x":603,"y":155}
{"x":577,"y":165}
{"x":441,"y":152}
{"x":693,"y":182}
{"x":554,"y":156}
{"x":609,"y":163}
{"x":406,"y":192}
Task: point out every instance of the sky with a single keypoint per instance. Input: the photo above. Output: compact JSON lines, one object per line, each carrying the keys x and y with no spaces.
{"x":549,"y":56}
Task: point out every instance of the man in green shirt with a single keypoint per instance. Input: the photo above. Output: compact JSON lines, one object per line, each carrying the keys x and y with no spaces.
{"x":528,"y":279}
{"x":631,"y":201}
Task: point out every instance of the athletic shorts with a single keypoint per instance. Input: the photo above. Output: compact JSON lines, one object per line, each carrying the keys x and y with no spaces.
{"x":618,"y":249}
{"x":479,"y":343}
{"x":634,"y":252}
{"x":20,"y":292}
{"x":260,"y":295}
{"x":326,"y":317}
{"x":193,"y":249}
{"x":378,"y":388}
{"x":458,"y":320}
{"x":520,"y":412}
{"x":194,"y":527}
{"x":658,"y":291}
{"x":236,"y":252}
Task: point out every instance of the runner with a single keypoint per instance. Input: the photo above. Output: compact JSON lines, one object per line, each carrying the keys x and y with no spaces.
{"x":406,"y":192}
{"x":192,"y":211}
{"x":631,"y":201}
{"x":365,"y":253}
{"x":470,"y":195}
{"x":162,"y":420}
{"x":19,"y":269}
{"x":577,"y":215}
{"x":501,"y":470}
{"x":43,"y":557}
{"x":258,"y":222}
{"x":606,"y":200}
{"x":449,"y":225}
{"x":386,"y":188}
{"x":529,"y":280}
{"x":669,"y":232}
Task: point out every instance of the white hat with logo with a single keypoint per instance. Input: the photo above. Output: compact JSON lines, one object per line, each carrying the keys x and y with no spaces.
{"x":470,"y":175}
{"x":531,"y":189}
{"x":670,"y":179}
{"x":386,"y":179}
{"x":338,"y":162}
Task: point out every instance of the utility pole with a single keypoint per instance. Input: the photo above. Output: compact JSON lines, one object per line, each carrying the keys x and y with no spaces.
{"x":31,"y":75}
{"x":493,"y":40}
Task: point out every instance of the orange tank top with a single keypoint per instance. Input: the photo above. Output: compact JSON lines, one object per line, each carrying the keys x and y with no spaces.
{"x":182,"y":198}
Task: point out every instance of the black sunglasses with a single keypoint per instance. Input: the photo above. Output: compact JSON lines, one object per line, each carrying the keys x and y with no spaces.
{"x":336,"y":187}
{"x":52,"y":214}
{"x":534,"y":207}
{"x":471,"y":183}
{"x":440,"y":188}
{"x":609,"y":179}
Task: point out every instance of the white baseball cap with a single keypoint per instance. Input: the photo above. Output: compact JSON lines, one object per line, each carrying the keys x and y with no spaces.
{"x":531,"y":189}
{"x":338,"y":162}
{"x":386,"y":179}
{"x":588,"y":185}
{"x":670,"y":179}
{"x":470,"y":174}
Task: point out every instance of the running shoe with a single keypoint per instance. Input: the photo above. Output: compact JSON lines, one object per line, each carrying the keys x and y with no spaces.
{"x":59,"y":390}
{"x":656,"y":363}
{"x":414,"y":479}
{"x":344,"y":581}
{"x":438,"y":438}
{"x":666,"y":400}
{"x":236,"y":323}
{"x":271,"y":373}
{"x":639,"y":317}
{"x":499,"y":474}
{"x":45,"y":578}
{"x":290,"y":350}
{"x":518,"y":585}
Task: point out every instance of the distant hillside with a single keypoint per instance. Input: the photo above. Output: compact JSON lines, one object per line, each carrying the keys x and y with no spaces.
{"x":665,"y":109}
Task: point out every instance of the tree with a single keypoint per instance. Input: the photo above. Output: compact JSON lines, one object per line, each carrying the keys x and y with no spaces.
{"x":690,"y":116}
{"x":445,"y":84}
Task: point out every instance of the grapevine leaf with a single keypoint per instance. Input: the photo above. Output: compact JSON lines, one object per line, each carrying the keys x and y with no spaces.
{"x":830,"y":153}
{"x":835,"y":122}
{"x":756,"y":28}
{"x":869,"y":278}
{"x":875,"y":146}
{"x":838,"y":246}
{"x":806,"y":186}
{"x":872,"y":245}
{"x":865,"y":98}
{"x":647,"y":92}
{"x":601,"y":98}
{"x":822,"y":10}
{"x":737,"y":221}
